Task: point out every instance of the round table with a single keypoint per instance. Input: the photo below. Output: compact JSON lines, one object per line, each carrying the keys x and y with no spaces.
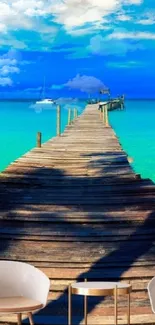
{"x":99,"y":289}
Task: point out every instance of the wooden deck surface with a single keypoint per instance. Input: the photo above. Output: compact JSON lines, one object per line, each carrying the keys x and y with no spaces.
{"x":75,"y":209}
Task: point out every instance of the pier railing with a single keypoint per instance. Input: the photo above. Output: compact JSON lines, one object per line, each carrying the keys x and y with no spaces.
{"x":72,"y":115}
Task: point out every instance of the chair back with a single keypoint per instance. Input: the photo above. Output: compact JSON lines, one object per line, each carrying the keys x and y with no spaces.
{"x":151,"y":292}
{"x":22,"y":279}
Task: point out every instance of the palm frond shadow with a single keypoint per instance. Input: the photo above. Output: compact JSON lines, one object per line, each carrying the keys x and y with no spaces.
{"x":49,"y":197}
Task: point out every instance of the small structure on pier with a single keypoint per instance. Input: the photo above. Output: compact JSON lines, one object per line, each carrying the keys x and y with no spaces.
{"x":110,"y":103}
{"x":113,"y":104}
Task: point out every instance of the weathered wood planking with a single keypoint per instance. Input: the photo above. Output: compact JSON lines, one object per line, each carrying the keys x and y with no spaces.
{"x":75,"y":209}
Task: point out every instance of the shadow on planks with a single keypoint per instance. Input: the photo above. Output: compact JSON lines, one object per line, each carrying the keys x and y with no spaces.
{"x":99,"y":226}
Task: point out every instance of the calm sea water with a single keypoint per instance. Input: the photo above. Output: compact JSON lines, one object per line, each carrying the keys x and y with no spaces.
{"x":20,"y":122}
{"x":135,"y":126}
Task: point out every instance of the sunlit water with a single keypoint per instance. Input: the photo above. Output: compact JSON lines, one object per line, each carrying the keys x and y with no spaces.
{"x":20,"y":122}
{"x":135,"y":127}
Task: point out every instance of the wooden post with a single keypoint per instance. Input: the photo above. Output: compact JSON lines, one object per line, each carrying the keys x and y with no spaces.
{"x":106,"y":116}
{"x":75,"y":113}
{"x":128,"y":308}
{"x":101,"y":110}
{"x":58,"y":120}
{"x":115,"y":298}
{"x":69,"y":305}
{"x":122,"y":105}
{"x":85,"y":307}
{"x":138,"y":176}
{"x":103,"y":115}
{"x":39,"y":139}
{"x":69,"y":116}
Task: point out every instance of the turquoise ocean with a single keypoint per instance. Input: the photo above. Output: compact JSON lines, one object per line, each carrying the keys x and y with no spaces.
{"x":20,"y":122}
{"x":135,"y":127}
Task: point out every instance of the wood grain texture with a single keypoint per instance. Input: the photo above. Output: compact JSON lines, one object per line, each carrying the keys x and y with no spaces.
{"x":76,"y":209}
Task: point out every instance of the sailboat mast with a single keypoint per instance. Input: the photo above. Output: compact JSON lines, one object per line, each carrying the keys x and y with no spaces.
{"x":44,"y":89}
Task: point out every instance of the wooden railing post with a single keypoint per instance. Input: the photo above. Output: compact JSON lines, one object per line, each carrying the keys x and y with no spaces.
{"x":58,"y":120}
{"x":101,"y":110}
{"x":69,"y":116}
{"x":103,"y":115}
{"x":85,"y":306}
{"x":106,"y":116}
{"x":75,"y":113}
{"x":39,"y":139}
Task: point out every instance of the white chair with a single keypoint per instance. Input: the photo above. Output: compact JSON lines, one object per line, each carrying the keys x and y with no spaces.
{"x":151,"y":292}
{"x":23,"y":289}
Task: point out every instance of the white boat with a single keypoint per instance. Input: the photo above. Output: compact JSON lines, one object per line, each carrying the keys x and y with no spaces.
{"x":44,"y":100}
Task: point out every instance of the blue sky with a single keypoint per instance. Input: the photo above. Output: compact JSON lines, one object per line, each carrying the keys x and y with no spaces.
{"x":79,"y":45}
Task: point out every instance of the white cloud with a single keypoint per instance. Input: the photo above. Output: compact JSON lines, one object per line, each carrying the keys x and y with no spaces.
{"x":16,"y":15}
{"x":9,"y":66}
{"x":147,"y":19}
{"x":126,"y":64}
{"x":94,"y":28}
{"x":132,"y":35}
{"x":100,"y":45}
{"x":7,"y":61}
{"x":12,"y":18}
{"x":5,"y":81}
{"x":79,"y":17}
{"x":74,"y":13}
{"x":6,"y":70}
{"x":3,"y":28}
{"x":23,"y":14}
{"x":123,"y":17}
{"x":87,"y":84}
{"x":134,"y":2}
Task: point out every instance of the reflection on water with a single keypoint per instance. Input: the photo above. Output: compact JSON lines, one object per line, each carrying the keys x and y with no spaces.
{"x":66,"y":103}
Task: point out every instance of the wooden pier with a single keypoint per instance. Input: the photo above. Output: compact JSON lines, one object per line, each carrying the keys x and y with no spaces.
{"x":75,"y":208}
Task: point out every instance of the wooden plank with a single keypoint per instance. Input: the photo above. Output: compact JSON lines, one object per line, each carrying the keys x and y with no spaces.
{"x":75,"y":208}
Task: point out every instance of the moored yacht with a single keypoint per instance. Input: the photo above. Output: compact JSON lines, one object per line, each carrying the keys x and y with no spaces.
{"x":45,"y":101}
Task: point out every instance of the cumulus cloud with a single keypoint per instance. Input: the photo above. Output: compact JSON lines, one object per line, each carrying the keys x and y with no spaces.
{"x":134,"y":2}
{"x":100,"y":45}
{"x":70,"y":13}
{"x":9,"y":66}
{"x":6,"y":70}
{"x":132,"y":35}
{"x":77,"y":13}
{"x":123,"y":17}
{"x":87,"y":11}
{"x":22,"y":14}
{"x":16,"y":15}
{"x":78,"y":17}
{"x":6,"y":81}
{"x":147,"y":19}
{"x":87,"y":84}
